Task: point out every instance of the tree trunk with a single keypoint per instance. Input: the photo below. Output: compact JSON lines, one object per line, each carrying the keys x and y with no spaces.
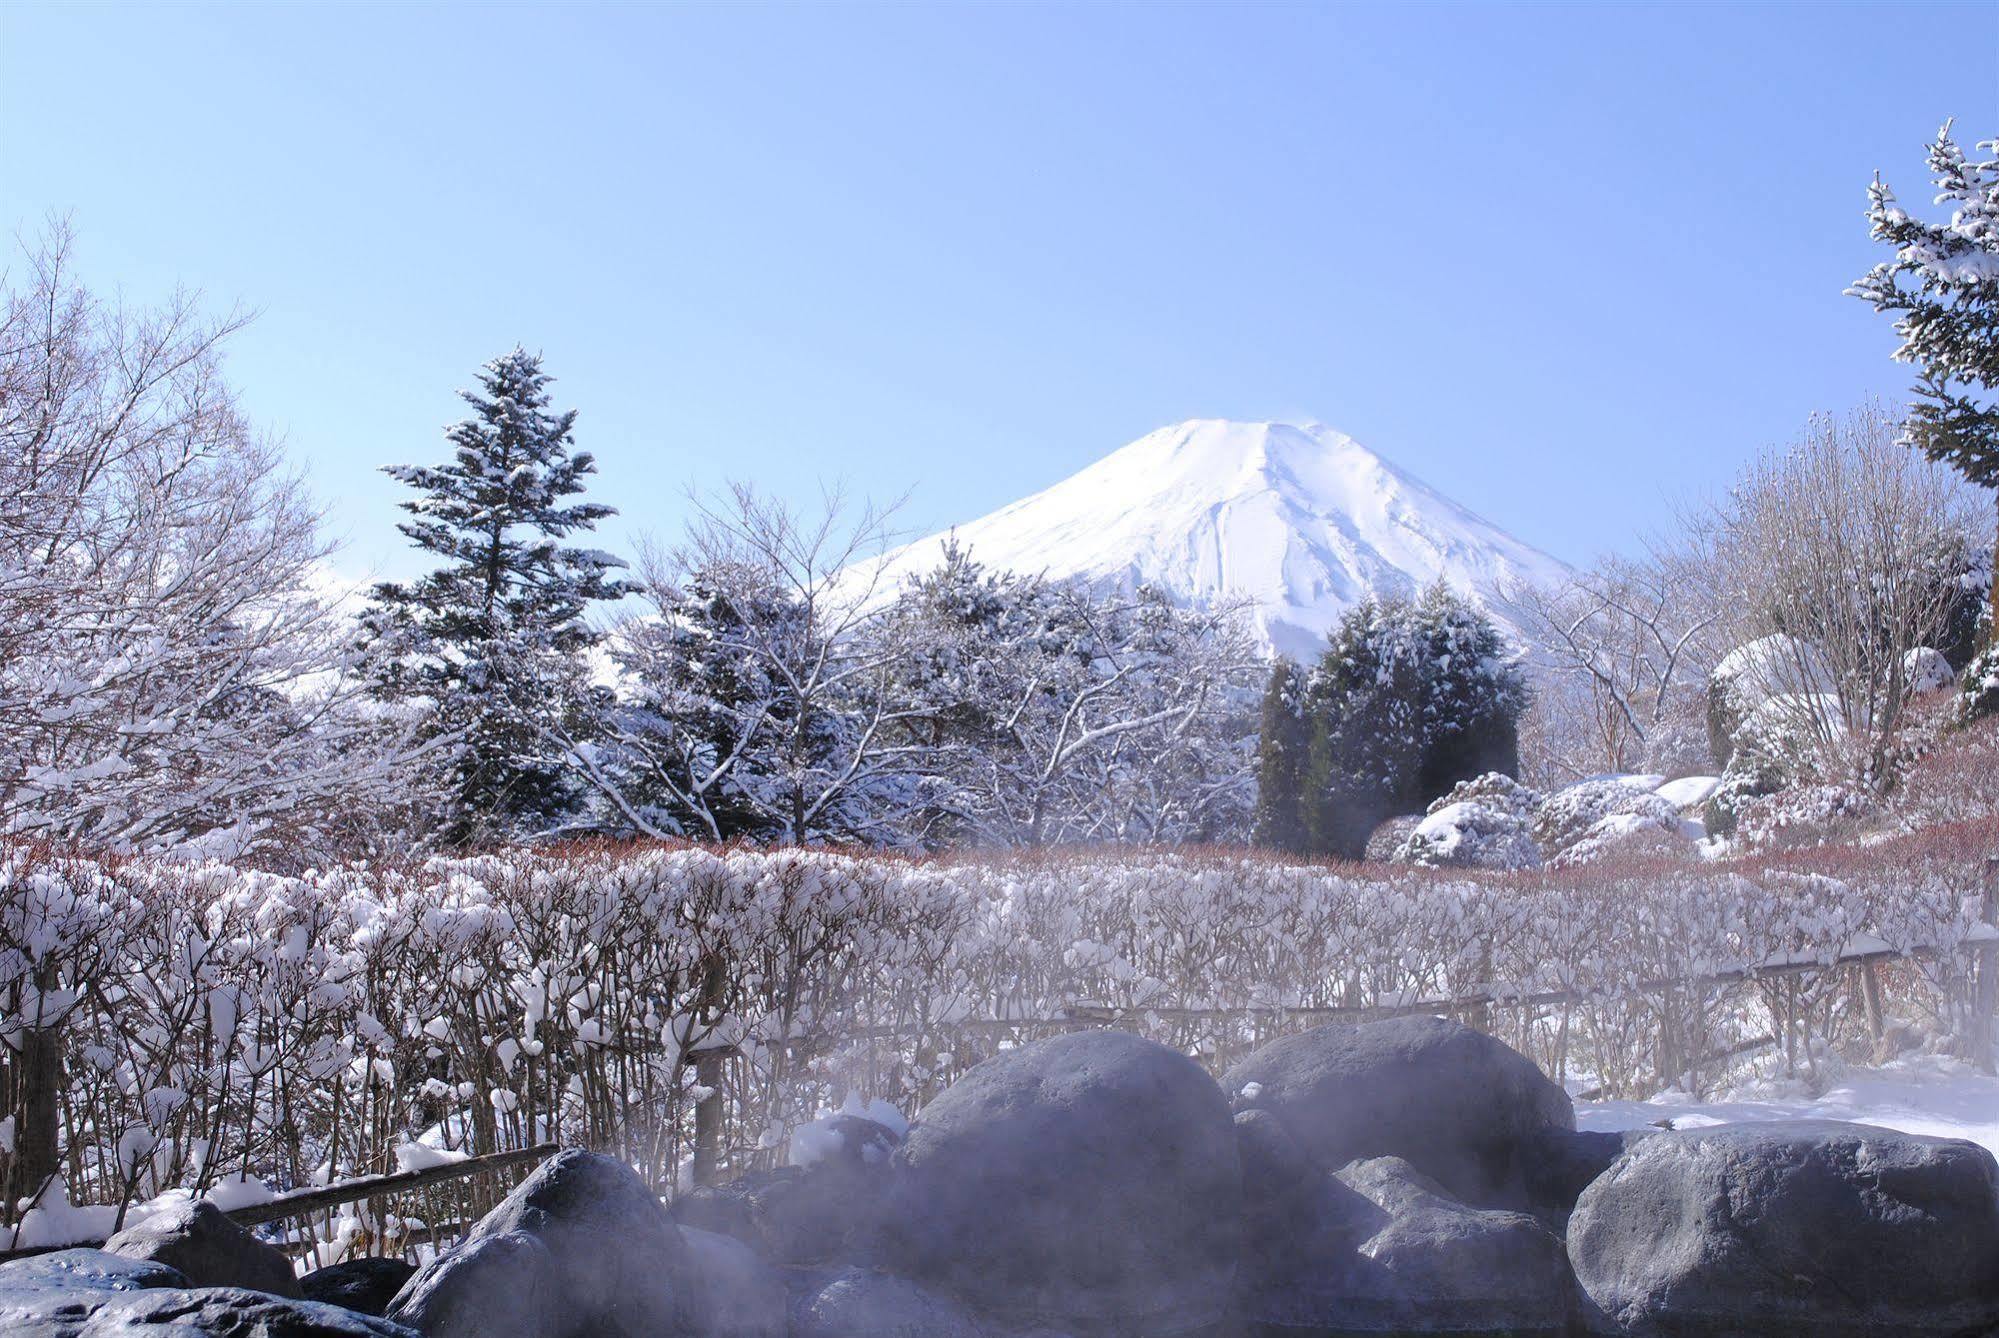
{"x":37,"y":1085}
{"x":708,"y":1075}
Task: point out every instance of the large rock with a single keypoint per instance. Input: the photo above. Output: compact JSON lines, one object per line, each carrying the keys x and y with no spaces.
{"x":1561,"y":1163}
{"x":1455,"y":1103}
{"x":736,"y":1293}
{"x":367,"y":1285}
{"x":498,"y":1286}
{"x":1792,"y":1229}
{"x":860,"y":1303}
{"x":824,"y":1213}
{"x":1088,"y":1182}
{"x":205,"y":1312}
{"x":87,"y":1270}
{"x":1387,"y":1251}
{"x":199,"y":1239}
{"x":615,"y":1260}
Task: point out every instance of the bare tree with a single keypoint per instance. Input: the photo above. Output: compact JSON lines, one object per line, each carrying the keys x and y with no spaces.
{"x":756,"y":696}
{"x":169,"y":661}
{"x":1830,"y":561}
{"x":1630,"y":644}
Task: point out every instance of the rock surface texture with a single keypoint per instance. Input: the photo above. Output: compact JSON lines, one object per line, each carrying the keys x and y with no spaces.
{"x":209,"y":1250}
{"x":1456,"y":1104}
{"x":1792,"y":1229}
{"x":1088,"y":1182}
{"x":589,"y":1252}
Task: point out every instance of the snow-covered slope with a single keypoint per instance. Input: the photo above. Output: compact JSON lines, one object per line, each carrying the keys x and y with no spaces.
{"x":1300,"y":519}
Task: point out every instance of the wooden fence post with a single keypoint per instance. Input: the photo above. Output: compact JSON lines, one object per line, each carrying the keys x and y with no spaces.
{"x":1985,"y":995}
{"x":708,"y":1076}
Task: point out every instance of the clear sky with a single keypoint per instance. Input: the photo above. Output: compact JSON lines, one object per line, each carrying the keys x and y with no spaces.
{"x":1568,"y":263}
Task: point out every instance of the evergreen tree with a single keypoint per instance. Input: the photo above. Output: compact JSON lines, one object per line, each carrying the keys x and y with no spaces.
{"x":490,"y":644}
{"x":1282,"y":750}
{"x":1943,"y":285}
{"x":1408,"y":700}
{"x":1366,"y":710}
{"x":1473,"y":697}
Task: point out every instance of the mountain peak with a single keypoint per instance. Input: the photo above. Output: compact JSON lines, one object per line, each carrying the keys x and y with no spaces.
{"x":1299,"y":518}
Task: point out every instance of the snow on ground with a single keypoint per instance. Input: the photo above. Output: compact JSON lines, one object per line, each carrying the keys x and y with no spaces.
{"x":1931,"y":1095}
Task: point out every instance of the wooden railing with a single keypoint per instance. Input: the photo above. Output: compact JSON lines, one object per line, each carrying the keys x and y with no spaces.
{"x":398,"y":1213}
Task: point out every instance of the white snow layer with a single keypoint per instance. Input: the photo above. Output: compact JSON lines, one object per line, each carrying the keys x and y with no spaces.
{"x":1933,"y":1095}
{"x":1298,"y":518}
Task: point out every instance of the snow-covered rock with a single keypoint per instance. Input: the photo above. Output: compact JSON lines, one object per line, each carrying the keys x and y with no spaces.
{"x":208,"y":1248}
{"x":1594,"y":818}
{"x":1688,"y":792}
{"x":1300,"y":519}
{"x":1485,"y":823}
{"x":1771,"y":666}
{"x":1926,"y":670}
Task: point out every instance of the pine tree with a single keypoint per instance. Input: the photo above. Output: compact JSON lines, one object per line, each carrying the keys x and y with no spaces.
{"x":1473,"y":696}
{"x":1943,"y":285}
{"x":491,"y":643}
{"x":1366,"y":711}
{"x":1408,"y":700}
{"x":1282,"y":750}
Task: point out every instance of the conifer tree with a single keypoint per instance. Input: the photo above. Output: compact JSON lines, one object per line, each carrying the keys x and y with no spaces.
{"x":1408,"y":700}
{"x":1473,"y":696}
{"x":1282,"y":750}
{"x":1367,"y":741}
{"x":1943,"y":286}
{"x":491,"y":642}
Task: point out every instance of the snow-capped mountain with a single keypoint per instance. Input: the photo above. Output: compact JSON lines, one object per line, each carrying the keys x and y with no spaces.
{"x":1299,"y":518}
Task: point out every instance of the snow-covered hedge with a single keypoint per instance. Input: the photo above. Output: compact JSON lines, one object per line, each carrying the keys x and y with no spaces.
{"x":215,"y":1020}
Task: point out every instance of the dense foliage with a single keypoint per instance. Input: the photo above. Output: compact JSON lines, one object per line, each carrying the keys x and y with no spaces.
{"x":1409,"y":699}
{"x":208,"y":1020}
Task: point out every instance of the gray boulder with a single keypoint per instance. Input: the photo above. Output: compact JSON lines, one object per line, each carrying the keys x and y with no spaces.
{"x":367,"y":1285}
{"x":616,"y":1264}
{"x":735,"y":1293}
{"x":500,"y":1286}
{"x":210,"y":1250}
{"x":860,"y":1303}
{"x":1386,"y":1250}
{"x":1561,"y":1163}
{"x":1455,"y":1103}
{"x":1088,"y":1182}
{"x":87,"y":1270}
{"x":169,"y":1312}
{"x":1790,"y":1229}
{"x":827,"y":1213}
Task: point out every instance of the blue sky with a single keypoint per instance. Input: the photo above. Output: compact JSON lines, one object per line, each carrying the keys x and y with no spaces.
{"x":1567,"y":263}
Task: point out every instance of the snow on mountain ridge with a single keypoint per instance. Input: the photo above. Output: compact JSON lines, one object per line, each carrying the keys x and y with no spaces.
{"x":1299,"y":518}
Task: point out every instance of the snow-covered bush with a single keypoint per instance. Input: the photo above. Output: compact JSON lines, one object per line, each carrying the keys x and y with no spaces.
{"x":1601,"y":810}
{"x":1483,"y":823}
{"x":1979,"y":687}
{"x":204,"y":1021}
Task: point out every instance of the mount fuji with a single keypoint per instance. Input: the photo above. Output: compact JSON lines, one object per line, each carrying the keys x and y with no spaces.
{"x":1300,"y":520}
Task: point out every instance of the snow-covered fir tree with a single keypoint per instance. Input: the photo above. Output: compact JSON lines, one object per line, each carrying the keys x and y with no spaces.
{"x":1409,"y":699}
{"x":1282,"y":747}
{"x":1943,"y":288}
{"x":1473,"y":696}
{"x":489,"y":647}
